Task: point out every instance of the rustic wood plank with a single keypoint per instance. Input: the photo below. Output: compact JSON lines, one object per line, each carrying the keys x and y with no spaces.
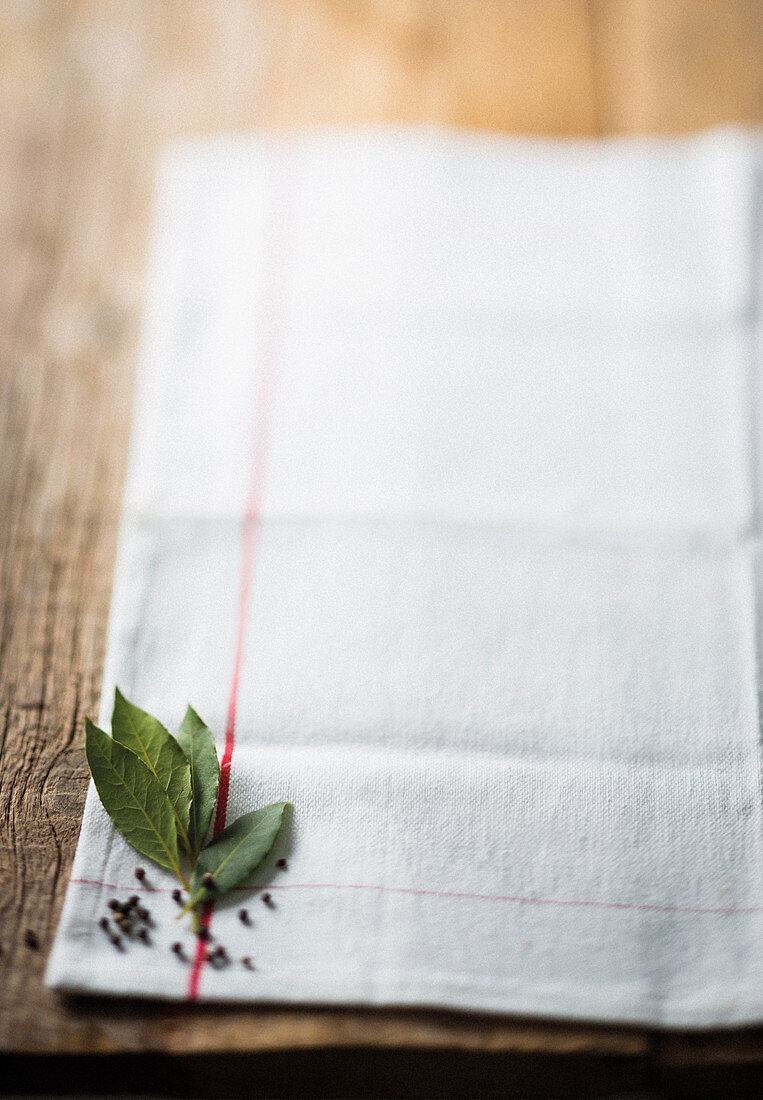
{"x":89,"y":91}
{"x":486,"y":64}
{"x":668,"y":67}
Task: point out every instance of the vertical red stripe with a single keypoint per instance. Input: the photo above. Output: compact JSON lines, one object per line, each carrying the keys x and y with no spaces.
{"x":268,"y":352}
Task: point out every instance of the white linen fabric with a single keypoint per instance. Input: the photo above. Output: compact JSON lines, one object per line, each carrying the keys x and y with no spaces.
{"x":463,"y":434}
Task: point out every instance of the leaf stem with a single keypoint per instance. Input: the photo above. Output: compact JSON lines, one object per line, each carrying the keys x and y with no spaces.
{"x":183,"y":834}
{"x":183,"y":879}
{"x":192,"y":903}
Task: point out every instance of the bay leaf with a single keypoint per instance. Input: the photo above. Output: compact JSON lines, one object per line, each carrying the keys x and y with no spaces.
{"x":148,"y":739}
{"x":198,"y":743}
{"x":133,"y":798}
{"x":237,"y":852}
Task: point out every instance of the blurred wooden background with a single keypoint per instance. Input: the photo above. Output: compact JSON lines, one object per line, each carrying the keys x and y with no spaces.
{"x":89,"y":91}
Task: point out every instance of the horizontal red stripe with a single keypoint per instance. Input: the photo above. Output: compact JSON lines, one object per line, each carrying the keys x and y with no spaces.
{"x":517,"y":899}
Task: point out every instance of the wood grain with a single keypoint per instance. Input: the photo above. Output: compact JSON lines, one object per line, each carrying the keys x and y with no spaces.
{"x":89,"y":91}
{"x":677,"y":66}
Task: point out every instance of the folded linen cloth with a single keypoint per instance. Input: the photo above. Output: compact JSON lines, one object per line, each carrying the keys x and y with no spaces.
{"x":445,"y":496}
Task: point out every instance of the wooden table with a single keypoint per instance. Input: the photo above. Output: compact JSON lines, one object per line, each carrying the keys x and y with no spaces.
{"x":89,"y":91}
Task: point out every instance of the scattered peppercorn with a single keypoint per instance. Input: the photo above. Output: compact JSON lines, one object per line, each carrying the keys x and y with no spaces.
{"x":31,"y":940}
{"x":116,"y":940}
{"x":281,"y":863}
{"x":140,"y":874}
{"x":142,"y":914}
{"x":104,"y":923}
{"x":178,"y":950}
{"x":243,"y":916}
{"x":143,"y":935}
{"x":133,"y":901}
{"x":177,"y":896}
{"x":207,"y":880}
{"x":247,"y":962}
{"x":115,"y":905}
{"x":268,"y":899}
{"x":204,"y":933}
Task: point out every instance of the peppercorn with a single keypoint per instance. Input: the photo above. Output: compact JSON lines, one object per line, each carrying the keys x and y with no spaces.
{"x":281,"y":863}
{"x":31,"y":940}
{"x":142,"y":914}
{"x":143,"y":935}
{"x":115,"y":905}
{"x":217,"y":956}
{"x":243,"y":916}
{"x":204,"y":933}
{"x":177,"y":896}
{"x":268,"y":899}
{"x":140,"y":874}
{"x":247,"y":962}
{"x":104,"y":923}
{"x":116,"y":940}
{"x":207,"y":879}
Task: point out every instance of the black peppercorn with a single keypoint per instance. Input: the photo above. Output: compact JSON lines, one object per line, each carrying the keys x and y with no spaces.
{"x":243,"y":916}
{"x":104,"y":923}
{"x":140,"y":874}
{"x":218,"y":956}
{"x":281,"y":863}
{"x":268,"y":899}
{"x":116,"y":940}
{"x":208,"y":880}
{"x":177,"y":896}
{"x":115,"y":905}
{"x":247,"y":962}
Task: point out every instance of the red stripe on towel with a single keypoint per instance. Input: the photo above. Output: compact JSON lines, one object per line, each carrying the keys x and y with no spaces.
{"x":517,"y":899}
{"x":271,"y":331}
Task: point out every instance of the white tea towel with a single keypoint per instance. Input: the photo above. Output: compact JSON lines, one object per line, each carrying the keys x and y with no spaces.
{"x":444,"y":512}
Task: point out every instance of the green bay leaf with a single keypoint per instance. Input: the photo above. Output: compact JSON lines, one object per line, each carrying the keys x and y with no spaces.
{"x":237,"y":852}
{"x":145,"y":735}
{"x":197,"y":742}
{"x":133,"y":798}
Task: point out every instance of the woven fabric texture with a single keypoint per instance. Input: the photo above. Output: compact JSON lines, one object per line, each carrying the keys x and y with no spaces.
{"x":444,"y":499}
